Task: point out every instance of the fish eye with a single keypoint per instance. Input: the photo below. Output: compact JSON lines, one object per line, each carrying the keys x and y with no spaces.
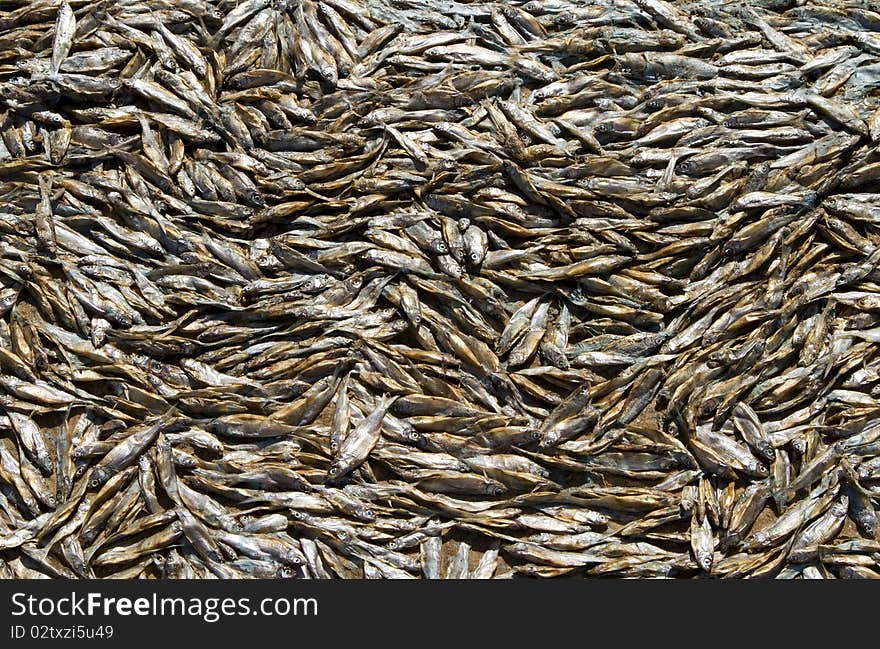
{"x":292,"y":557}
{"x":564,"y":19}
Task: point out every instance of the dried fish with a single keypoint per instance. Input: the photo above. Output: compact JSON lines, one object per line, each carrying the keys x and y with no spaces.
{"x":368,"y":289}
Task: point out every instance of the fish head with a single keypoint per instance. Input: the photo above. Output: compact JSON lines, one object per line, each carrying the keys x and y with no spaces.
{"x":704,"y":560}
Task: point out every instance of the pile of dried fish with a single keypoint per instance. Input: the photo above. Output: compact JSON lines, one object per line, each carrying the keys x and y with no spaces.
{"x":411,"y":288}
